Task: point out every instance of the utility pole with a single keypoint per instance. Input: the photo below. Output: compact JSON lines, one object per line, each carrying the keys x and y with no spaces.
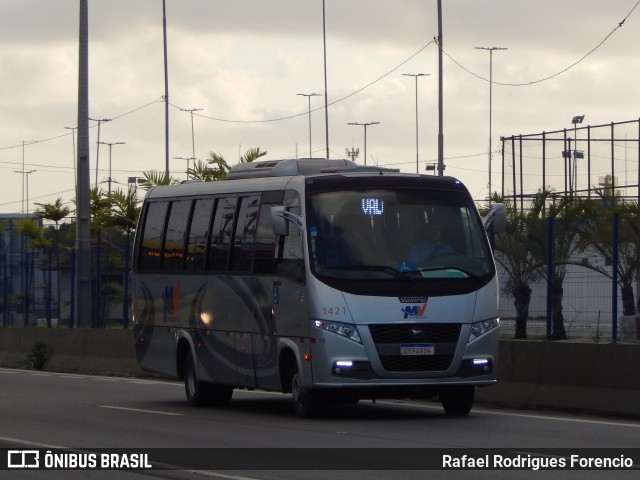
{"x":416,"y":75}
{"x":326,"y":96}
{"x":111,"y":145}
{"x":440,"y":100}
{"x":166,"y":90}
{"x":491,"y":50}
{"x":193,"y":138}
{"x":365,"y":125}
{"x":100,"y":121}
{"x":309,"y":95}
{"x":73,"y":143}
{"x":82,"y":280}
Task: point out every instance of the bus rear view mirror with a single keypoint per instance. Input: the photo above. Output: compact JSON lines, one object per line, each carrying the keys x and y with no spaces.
{"x":497,"y":217}
{"x":279,"y":220}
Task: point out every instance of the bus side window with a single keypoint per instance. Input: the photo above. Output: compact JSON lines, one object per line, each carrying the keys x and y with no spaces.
{"x":173,"y":249}
{"x":151,"y":238}
{"x":289,"y":255}
{"x":245,"y":234}
{"x":221,"y":233}
{"x":199,"y":234}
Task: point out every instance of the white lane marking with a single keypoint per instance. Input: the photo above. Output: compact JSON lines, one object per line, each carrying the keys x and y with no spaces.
{"x":141,"y":410}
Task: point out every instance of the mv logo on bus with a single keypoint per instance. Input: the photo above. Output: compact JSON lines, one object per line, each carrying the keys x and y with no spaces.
{"x":414,"y":311}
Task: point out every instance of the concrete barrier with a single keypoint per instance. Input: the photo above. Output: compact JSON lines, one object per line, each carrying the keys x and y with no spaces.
{"x":78,"y":350}
{"x":580,"y":377}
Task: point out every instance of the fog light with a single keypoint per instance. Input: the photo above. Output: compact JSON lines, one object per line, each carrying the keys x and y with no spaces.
{"x":344,"y":363}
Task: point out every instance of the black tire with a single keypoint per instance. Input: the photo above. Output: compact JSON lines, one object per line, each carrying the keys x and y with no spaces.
{"x":306,"y":401}
{"x":203,"y":394}
{"x":457,"y":401}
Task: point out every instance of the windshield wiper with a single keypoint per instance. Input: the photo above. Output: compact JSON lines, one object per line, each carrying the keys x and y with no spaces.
{"x":373,"y":268}
{"x":461,"y":270}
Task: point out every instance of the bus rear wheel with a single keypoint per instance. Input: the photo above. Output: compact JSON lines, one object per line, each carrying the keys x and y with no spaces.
{"x":457,"y":401}
{"x":204,"y":394}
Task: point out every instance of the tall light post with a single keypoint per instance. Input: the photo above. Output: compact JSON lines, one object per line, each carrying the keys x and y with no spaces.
{"x":309,"y":95}
{"x":326,"y":95}
{"x":416,"y":75}
{"x":24,"y":178}
{"x":576,"y":153}
{"x":491,"y":50}
{"x":82,"y":310}
{"x":440,"y":95}
{"x":111,"y":144}
{"x":25,"y":181}
{"x":166,"y":90}
{"x":100,"y":122}
{"x":73,"y":138}
{"x":365,"y":125}
{"x":193,"y":138}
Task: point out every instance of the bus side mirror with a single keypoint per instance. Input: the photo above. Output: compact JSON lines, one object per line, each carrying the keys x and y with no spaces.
{"x":279,"y":221}
{"x":497,"y":217}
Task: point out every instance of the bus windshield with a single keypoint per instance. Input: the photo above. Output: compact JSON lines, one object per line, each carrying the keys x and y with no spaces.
{"x":402,"y":234}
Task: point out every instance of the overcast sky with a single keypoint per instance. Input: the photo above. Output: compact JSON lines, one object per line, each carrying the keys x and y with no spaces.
{"x":244,"y":62}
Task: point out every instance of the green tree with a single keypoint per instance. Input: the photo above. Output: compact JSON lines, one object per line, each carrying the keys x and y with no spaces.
{"x":567,"y":213}
{"x":54,"y":212}
{"x":154,"y":178}
{"x":597,"y":235}
{"x":513,"y":253}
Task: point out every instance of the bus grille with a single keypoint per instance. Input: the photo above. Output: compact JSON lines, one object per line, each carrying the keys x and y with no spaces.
{"x":443,"y":336}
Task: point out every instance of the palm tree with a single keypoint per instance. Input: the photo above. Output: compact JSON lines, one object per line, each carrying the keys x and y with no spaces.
{"x":54,"y":212}
{"x":153,"y":178}
{"x":597,"y":234}
{"x":513,"y":253}
{"x":215,"y":169}
{"x":566,"y":214}
{"x":32,"y":231}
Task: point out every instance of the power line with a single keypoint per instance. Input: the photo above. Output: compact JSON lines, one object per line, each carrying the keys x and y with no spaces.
{"x":355,"y":92}
{"x":564,"y":70}
{"x":93,"y":126}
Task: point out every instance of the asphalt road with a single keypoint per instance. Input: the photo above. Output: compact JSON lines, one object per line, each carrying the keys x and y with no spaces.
{"x":83,"y":413}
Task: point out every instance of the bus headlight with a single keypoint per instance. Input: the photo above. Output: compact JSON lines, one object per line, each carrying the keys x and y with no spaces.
{"x":480,"y":328}
{"x":345,"y":329}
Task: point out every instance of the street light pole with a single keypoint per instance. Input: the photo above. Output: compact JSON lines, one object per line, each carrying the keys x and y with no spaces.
{"x":100,"y":121}
{"x":326,"y":95}
{"x":309,"y":95}
{"x":416,"y":75}
{"x":491,"y":50}
{"x":73,"y":138}
{"x":111,"y":145}
{"x":365,"y":125}
{"x":24,"y":178}
{"x":193,"y":138}
{"x":25,"y":181}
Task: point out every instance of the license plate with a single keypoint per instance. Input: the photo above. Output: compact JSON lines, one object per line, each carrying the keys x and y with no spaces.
{"x":417,"y":349}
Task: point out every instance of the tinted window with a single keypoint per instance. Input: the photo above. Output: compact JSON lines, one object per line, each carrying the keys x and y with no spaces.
{"x":173,"y":252}
{"x":152,"y":236}
{"x":242,"y":255}
{"x":221,"y":233}
{"x":199,"y":234}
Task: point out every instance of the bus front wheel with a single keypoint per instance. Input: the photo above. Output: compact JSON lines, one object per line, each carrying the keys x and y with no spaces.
{"x":305,"y":400}
{"x":457,"y":401}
